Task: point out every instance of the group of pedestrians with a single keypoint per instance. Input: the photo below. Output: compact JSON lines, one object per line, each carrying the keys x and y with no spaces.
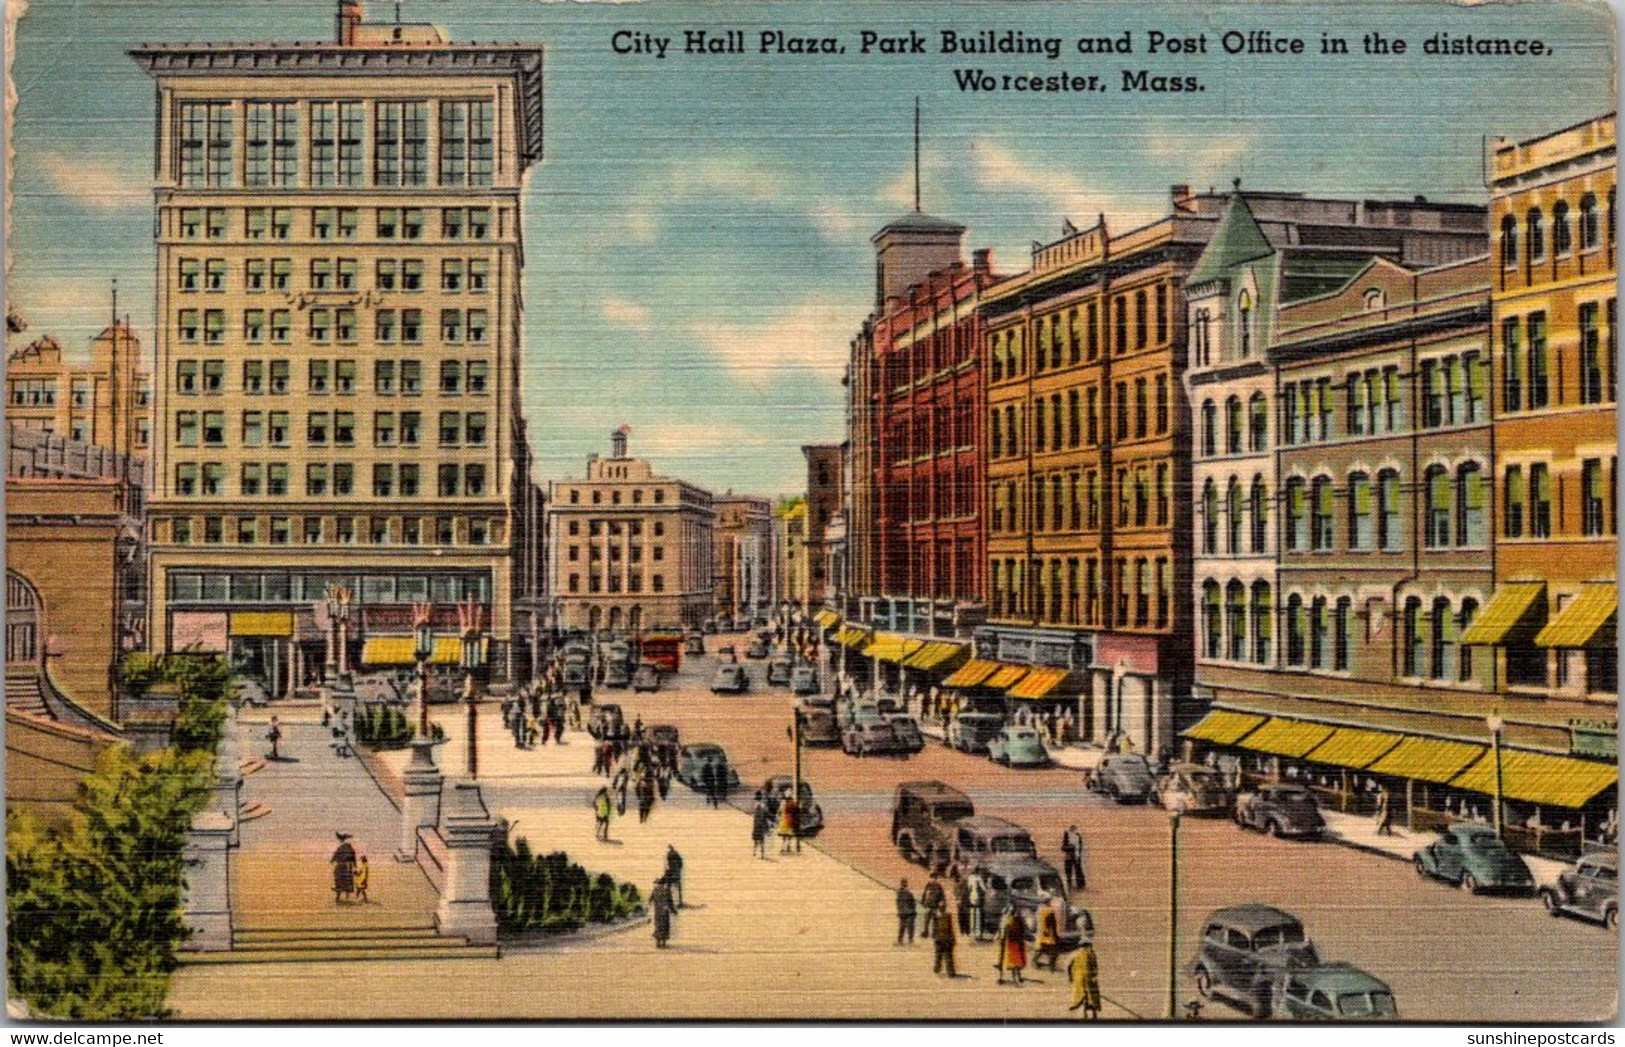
{"x":535,"y":716}
{"x":667,"y":897}
{"x":771,"y":811}
{"x":643,"y":774}
{"x":351,"y":874}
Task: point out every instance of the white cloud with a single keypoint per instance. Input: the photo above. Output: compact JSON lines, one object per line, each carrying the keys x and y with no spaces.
{"x":1207,"y":158}
{"x":899,"y":192}
{"x":624,"y":313}
{"x":996,"y":168}
{"x":100,"y":185}
{"x":813,"y":335}
{"x":737,"y":178}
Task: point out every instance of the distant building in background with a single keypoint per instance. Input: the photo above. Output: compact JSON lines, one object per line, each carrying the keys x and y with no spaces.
{"x":744,"y":556}
{"x":790,"y":544}
{"x":628,"y":549}
{"x":107,"y":402}
{"x":825,"y":494}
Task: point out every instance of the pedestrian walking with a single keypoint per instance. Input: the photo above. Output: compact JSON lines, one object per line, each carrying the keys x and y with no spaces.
{"x":602,"y":805}
{"x":674,"y":874}
{"x":962,"y":902}
{"x":362,"y":875}
{"x":1047,"y":942}
{"x":618,"y":784}
{"x":905,"y":913}
{"x":646,"y":797}
{"x":708,"y":777}
{"x":660,"y":902}
{"x":274,"y":736}
{"x":343,"y":862}
{"x":944,"y":939}
{"x":759,"y":825}
{"x":931,"y":899}
{"x":789,"y":825}
{"x":1012,"y":944}
{"x":1083,"y":971}
{"x":663,"y":780}
{"x":1072,"y":851}
{"x":1385,"y":813}
{"x":978,"y":903}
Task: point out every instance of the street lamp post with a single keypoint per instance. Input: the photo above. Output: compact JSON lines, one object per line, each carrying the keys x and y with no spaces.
{"x":1494,"y":722}
{"x":471,"y":623}
{"x":1174,"y":814}
{"x":422,"y":651}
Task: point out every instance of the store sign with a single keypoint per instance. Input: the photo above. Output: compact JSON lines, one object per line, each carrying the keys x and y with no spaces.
{"x":1598,"y":738}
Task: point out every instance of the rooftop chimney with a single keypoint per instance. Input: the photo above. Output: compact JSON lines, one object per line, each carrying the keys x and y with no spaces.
{"x":350,"y":15}
{"x":617,"y":441}
{"x":1181,"y":195}
{"x":982,"y":260}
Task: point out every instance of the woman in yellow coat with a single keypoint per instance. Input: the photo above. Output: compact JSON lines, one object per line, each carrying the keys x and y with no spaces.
{"x":1084,"y":973}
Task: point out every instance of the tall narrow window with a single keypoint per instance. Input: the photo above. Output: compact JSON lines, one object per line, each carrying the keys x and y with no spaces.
{"x":1235,"y":614}
{"x":1511,"y":365}
{"x":1390,"y":522}
{"x":1444,"y":641}
{"x":1539,"y":394}
{"x":1471,"y":506}
{"x":400,"y":144}
{"x":1512,"y":500}
{"x":1414,"y":639}
{"x":1319,"y":629}
{"x":1464,"y":652}
{"x":1537,"y":236}
{"x":1340,"y":635}
{"x":1297,"y":513}
{"x":1440,"y":507}
{"x":1562,"y":233}
{"x":1588,"y":222}
{"x":1592,"y":495}
{"x":1263,"y":623}
{"x":466,"y":150}
{"x":1321,"y":510}
{"x":1591,"y":363}
{"x":1361,"y":509}
{"x":1295,"y":627}
{"x":1232,"y":425}
{"x":1212,"y":625}
{"x":1258,"y":423}
{"x":1540,"y":501}
{"x":1259,"y":510}
{"x":1210,"y":518}
{"x":1244,"y":324}
{"x":1233,"y":517}
{"x":205,"y":143}
{"x":1509,"y":242}
{"x":1210,"y":427}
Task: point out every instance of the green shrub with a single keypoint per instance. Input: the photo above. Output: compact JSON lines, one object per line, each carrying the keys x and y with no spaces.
{"x":551,"y":893}
{"x":380,"y":726}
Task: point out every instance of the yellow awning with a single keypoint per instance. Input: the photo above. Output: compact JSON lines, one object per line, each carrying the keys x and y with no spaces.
{"x":1039,"y":683}
{"x":1562,"y":781}
{"x":1577,"y":623}
{"x":971,"y":674}
{"x":1508,"y":607}
{"x":1223,"y":727}
{"x":850,"y":636}
{"x":1353,"y":747}
{"x":398,"y":650}
{"x":826,"y":618}
{"x":1427,"y":759}
{"x":1286,"y":737}
{"x":1006,"y":676}
{"x":939,"y":656}
{"x":891,"y":647}
{"x":261,"y":623}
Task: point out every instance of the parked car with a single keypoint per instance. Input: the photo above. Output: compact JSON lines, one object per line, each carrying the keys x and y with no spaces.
{"x":871,"y":738}
{"x":971,"y":732}
{"x":1017,"y":746}
{"x":811,"y":818}
{"x":576,"y":668}
{"x":616,"y":674}
{"x":606,"y":721}
{"x":818,"y":729}
{"x":1028,"y":884}
{"x":730,"y":679}
{"x":889,"y":705}
{"x":1280,"y":809}
{"x":804,"y":680}
{"x":693,"y":759}
{"x":694,"y":646}
{"x":1590,"y":889}
{"x":1471,"y":856}
{"x":853,"y":713}
{"x":923,"y":819}
{"x":647,"y":678}
{"x":663,"y":736}
{"x":907,"y":731}
{"x":1192,"y":788}
{"x":1334,"y":992}
{"x":982,"y":838}
{"x":778,"y":672}
{"x":1125,"y":777}
{"x":1245,"y":953}
{"x":757,"y":650}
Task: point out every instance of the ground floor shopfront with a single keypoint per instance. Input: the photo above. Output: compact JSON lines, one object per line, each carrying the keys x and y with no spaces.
{"x":1439,"y":756}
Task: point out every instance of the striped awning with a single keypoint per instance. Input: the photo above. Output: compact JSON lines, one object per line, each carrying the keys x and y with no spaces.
{"x":826,"y":618}
{"x":1435,"y":760}
{"x":1039,"y":683}
{"x":851,"y":636}
{"x":1576,"y":624}
{"x":1512,"y":603}
{"x":1353,"y":747}
{"x":1005,"y":676}
{"x":1282,"y":737}
{"x":971,"y":674}
{"x":939,"y":656}
{"x":399,"y":650}
{"x":1562,"y":781}
{"x":1223,"y":727}
{"x":891,"y":647}
{"x":261,"y":623}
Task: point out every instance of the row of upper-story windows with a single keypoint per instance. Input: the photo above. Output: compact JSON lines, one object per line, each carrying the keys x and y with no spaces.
{"x":636,"y":496}
{"x":1528,"y":497}
{"x":596,"y":553}
{"x":1137,"y":320}
{"x":1527,"y":360}
{"x":1455,"y":511}
{"x":1583,"y":229}
{"x":1141,"y":409}
{"x":1077,"y":591}
{"x":32,"y":392}
{"x":347,"y":144}
{"x":334,"y":223}
{"x":1244,"y":341}
{"x":187,"y":586}
{"x":1074,"y":500}
{"x":599,"y":583}
{"x":208,"y":377}
{"x":320,"y":530}
{"x":324,"y":325}
{"x":614,"y":528}
{"x":941,"y":428}
{"x":335,"y":428}
{"x":211,"y":275}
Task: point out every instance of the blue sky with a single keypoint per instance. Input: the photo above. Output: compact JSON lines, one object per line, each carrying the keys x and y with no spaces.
{"x":697,"y":238}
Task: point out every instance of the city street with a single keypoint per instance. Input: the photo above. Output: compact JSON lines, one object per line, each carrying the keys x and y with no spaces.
{"x":813,"y":935}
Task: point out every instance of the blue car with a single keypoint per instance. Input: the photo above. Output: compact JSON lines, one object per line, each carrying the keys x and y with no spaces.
{"x":1472,"y":857}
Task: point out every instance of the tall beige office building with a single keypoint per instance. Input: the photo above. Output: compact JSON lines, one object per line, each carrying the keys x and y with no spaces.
{"x":338,"y":331}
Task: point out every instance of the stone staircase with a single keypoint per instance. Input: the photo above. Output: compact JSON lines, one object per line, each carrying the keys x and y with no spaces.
{"x":24,"y":694}
{"x":341,"y":945}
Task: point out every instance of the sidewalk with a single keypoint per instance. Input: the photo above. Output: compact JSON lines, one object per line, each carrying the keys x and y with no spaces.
{"x":1360,"y":832}
{"x":1072,"y":757}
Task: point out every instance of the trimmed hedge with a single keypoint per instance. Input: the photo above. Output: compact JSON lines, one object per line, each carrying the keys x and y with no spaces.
{"x":551,"y":893}
{"x":380,"y":726}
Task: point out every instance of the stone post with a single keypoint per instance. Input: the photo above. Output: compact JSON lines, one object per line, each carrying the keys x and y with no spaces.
{"x":466,"y":827}
{"x":207,"y":908}
{"x":420,"y":804}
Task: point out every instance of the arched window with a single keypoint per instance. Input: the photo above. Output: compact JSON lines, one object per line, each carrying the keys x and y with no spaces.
{"x":1509,"y":242}
{"x":1232,"y":425}
{"x":1390,"y":521}
{"x":1258,"y":423}
{"x":1321,"y":515}
{"x":1294,"y":629}
{"x":1415,"y":638}
{"x":1232,"y":517}
{"x":1471,"y":528}
{"x":1235,"y":614}
{"x":1444,"y":641}
{"x":1211,"y":625}
{"x":1439,"y":510}
{"x":1361,"y":508}
{"x":1469,"y":611}
{"x":1297,"y":514}
{"x":1260,"y":512}
{"x":1562,"y":235}
{"x":1588,"y":221}
{"x":1340,"y":634}
{"x":1263,"y":622}
{"x":1535,"y":227}
{"x":1210,"y":426}
{"x":1317,"y":633}
{"x":1210,"y":518}
{"x":1202,"y":335}
{"x":1512,"y":502}
{"x":24,"y":621}
{"x":1244,"y":323}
